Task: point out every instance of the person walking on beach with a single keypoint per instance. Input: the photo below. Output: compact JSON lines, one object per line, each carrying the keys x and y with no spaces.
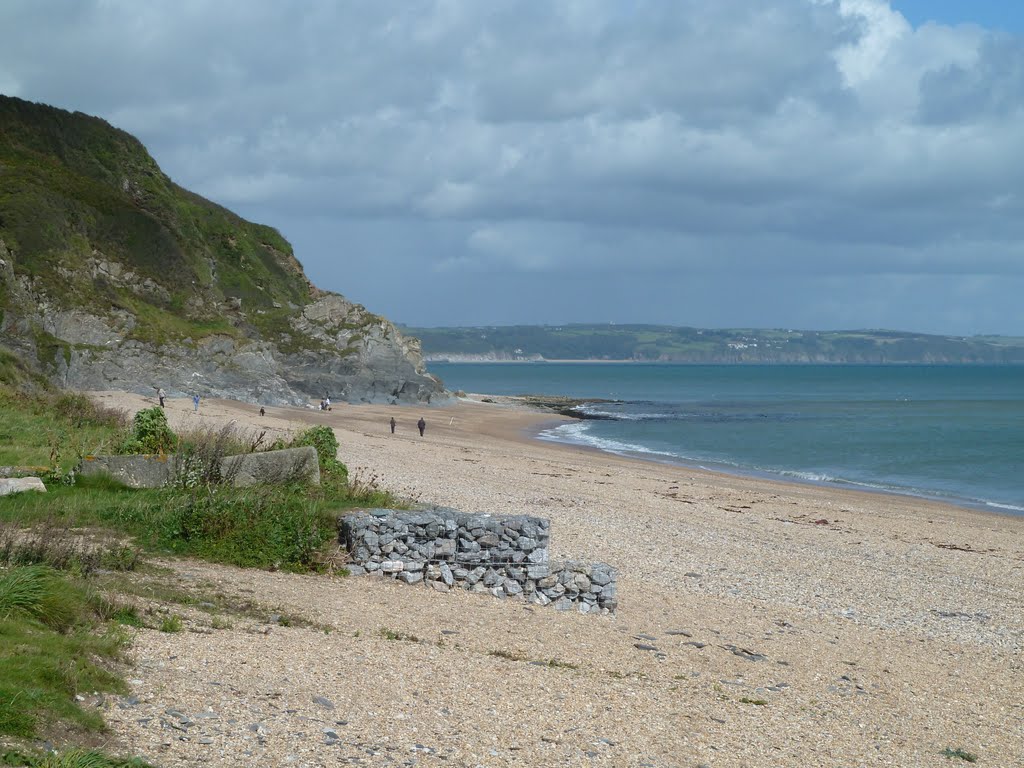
{"x":160,"y":395}
{"x":393,"y":422}
{"x":263,"y":411}
{"x":195,"y":402}
{"x":421,"y":425}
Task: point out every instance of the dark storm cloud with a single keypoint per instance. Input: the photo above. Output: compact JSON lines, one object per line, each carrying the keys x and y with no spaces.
{"x":769,"y":149}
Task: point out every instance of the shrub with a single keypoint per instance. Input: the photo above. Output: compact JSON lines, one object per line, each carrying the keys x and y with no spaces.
{"x":265,"y":528}
{"x":322,"y":438}
{"x":150,"y":433}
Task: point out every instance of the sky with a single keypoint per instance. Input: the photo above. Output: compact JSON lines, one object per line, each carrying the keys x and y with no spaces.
{"x":811,"y":164}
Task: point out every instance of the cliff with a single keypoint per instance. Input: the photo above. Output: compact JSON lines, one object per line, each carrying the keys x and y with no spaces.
{"x":114,"y":277}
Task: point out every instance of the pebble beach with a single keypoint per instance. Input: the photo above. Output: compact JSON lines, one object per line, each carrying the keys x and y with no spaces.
{"x":759,"y":623}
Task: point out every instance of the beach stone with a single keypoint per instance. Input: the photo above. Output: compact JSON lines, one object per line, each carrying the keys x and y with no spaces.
{"x":410,"y":578}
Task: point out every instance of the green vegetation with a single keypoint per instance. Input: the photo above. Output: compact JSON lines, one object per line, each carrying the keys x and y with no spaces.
{"x":171,"y":623}
{"x":755,"y":702}
{"x":959,"y":754}
{"x":520,"y":656}
{"x":63,"y":606}
{"x":75,"y":758}
{"x":391,"y":634}
{"x":283,"y":527}
{"x":76,"y":192}
{"x":50,"y":650}
{"x":150,"y":433}
{"x":693,"y":345}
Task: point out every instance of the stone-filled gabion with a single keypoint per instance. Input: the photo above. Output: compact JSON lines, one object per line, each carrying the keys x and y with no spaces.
{"x":505,"y":556}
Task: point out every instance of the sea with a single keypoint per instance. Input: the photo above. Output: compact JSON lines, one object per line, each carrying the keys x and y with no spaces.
{"x":954,"y":433}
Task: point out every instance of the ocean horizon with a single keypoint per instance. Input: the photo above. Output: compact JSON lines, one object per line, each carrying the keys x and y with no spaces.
{"x":952,"y":433}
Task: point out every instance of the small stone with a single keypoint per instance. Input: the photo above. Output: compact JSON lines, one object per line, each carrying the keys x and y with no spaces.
{"x":743,"y":653}
{"x":325,"y":703}
{"x":644,"y":647}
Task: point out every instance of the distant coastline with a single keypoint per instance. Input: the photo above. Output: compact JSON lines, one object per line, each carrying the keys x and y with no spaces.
{"x":600,"y":343}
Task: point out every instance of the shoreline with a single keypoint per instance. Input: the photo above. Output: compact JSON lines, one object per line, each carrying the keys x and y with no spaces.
{"x":555,"y":406}
{"x":990,"y":508}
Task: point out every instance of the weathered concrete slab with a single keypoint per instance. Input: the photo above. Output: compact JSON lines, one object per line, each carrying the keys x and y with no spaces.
{"x":11,"y":485}
{"x":26,"y":471}
{"x":291,"y":465}
{"x":156,"y":471}
{"x":135,"y":471}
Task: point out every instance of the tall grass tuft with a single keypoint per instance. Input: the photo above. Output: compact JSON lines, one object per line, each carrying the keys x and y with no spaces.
{"x":38,"y":592}
{"x":71,"y":759}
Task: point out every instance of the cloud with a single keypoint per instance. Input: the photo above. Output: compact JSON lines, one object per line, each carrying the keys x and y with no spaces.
{"x":819,"y":139}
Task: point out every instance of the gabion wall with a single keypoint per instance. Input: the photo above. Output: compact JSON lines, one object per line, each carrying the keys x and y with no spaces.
{"x":504,"y":556}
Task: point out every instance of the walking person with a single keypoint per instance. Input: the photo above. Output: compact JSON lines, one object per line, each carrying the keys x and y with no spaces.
{"x":160,"y":395}
{"x":393,"y":423}
{"x":195,"y":402}
{"x":421,"y":425}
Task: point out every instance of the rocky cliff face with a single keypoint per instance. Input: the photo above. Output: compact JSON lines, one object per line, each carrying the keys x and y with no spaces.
{"x":112,"y":277}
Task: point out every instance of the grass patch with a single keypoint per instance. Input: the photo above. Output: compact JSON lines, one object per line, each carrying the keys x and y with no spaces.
{"x":70,"y":759}
{"x":54,"y":430}
{"x":520,"y":656}
{"x":171,"y":623}
{"x":128,"y":615}
{"x":50,"y":650}
{"x":755,"y":702}
{"x":54,"y":543}
{"x":391,"y":634}
{"x":959,"y":754}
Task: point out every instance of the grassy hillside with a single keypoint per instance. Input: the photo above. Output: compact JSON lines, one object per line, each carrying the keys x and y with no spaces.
{"x":695,"y":345}
{"x":75,"y":191}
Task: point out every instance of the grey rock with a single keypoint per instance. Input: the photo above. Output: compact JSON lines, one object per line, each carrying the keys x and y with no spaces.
{"x":411,"y":578}
{"x":446,"y":575}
